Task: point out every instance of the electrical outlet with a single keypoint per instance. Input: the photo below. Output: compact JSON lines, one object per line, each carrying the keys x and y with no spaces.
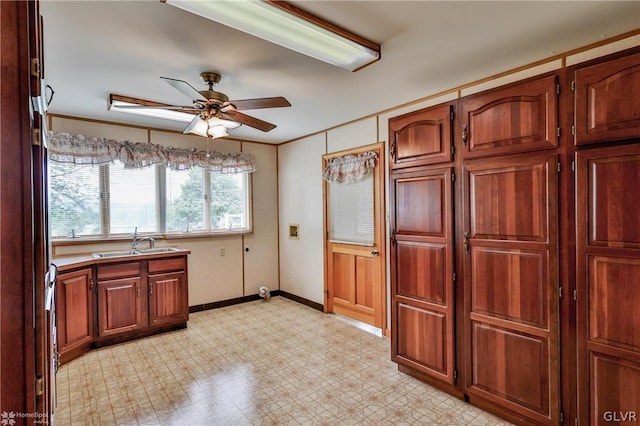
{"x":222,"y":251}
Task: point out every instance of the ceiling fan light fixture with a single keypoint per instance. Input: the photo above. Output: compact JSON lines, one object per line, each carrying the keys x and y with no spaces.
{"x":217,"y":131}
{"x":286,"y":25}
{"x":215,"y":121}
{"x":212,"y":128}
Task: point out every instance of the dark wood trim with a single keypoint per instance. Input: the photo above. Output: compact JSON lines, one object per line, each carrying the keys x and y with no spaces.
{"x":17,"y":352}
{"x":316,"y":20}
{"x":229,"y":302}
{"x":302,"y":300}
{"x":126,"y":337}
{"x":253,"y":297}
{"x":567,"y":252}
{"x":453,"y":390}
{"x":135,"y":126}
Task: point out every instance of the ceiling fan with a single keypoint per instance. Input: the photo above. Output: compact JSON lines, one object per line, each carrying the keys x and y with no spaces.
{"x":214,"y":112}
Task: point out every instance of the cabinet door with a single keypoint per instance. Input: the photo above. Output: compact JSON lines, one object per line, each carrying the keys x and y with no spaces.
{"x":518,"y":118}
{"x":74,"y":308}
{"x":422,"y":273}
{"x":608,"y":100}
{"x":421,"y":137}
{"x":608,"y":284}
{"x":511,"y":285}
{"x":168,"y":298}
{"x":119,"y":306}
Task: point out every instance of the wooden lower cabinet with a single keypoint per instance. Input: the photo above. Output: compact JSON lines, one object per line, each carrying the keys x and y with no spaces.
{"x":422,"y":276}
{"x":119,"y":306}
{"x":608,"y":285}
{"x":511,"y":285}
{"x":167,"y":298}
{"x":129,"y":299}
{"x":74,"y":309}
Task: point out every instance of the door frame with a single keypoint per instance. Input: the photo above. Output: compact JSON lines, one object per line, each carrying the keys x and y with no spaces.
{"x":379,"y":224}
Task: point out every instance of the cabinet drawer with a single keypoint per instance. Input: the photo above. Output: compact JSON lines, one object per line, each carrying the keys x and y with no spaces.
{"x":117,"y":270}
{"x":168,"y":265}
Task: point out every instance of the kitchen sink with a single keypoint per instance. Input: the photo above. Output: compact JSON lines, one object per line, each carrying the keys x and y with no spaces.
{"x":124,"y":253}
{"x":115,"y":253}
{"x":158,"y":250}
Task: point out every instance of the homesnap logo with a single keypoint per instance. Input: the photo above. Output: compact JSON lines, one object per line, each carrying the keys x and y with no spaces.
{"x":8,"y":418}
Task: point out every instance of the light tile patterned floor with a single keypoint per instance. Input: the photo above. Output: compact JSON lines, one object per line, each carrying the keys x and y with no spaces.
{"x":276,"y":362}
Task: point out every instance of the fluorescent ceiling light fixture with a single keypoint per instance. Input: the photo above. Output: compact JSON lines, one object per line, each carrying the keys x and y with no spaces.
{"x":282,"y":23}
{"x":167,"y":114}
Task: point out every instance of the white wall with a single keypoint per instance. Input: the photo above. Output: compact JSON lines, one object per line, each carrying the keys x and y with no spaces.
{"x":261,"y":261}
{"x":212,"y":277}
{"x":300,"y":193}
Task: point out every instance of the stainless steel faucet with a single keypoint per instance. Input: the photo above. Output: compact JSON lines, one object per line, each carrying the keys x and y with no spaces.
{"x":152,"y":242}
{"x":136,"y":240}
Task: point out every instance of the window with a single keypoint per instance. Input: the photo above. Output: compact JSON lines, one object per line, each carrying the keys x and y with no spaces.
{"x":132,"y":199}
{"x":74,"y":200}
{"x":351,"y":214}
{"x":185,"y":200}
{"x":228,"y":202}
{"x":111,"y":200}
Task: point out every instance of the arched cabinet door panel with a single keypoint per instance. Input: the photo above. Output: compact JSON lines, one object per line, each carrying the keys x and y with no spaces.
{"x":421,"y":137}
{"x":516,"y":118}
{"x":607,"y":100}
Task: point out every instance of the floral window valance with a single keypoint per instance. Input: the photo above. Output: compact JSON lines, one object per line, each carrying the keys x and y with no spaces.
{"x":80,"y":149}
{"x":350,"y":168}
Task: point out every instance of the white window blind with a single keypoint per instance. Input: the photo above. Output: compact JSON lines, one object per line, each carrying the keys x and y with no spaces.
{"x":132,"y":199}
{"x":351,"y":212}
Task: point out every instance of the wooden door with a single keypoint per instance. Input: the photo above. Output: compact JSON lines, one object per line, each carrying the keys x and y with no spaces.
{"x":511,"y":285}
{"x":608,"y":285}
{"x":516,"y":118}
{"x":168,"y":302}
{"x":119,"y":306}
{"x":421,"y":137}
{"x":354,"y":272}
{"x":75,"y":309}
{"x":422,"y":272}
{"x":607,"y":100}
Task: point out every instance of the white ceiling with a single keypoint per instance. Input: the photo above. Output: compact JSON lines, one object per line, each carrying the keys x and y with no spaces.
{"x":93,"y":48}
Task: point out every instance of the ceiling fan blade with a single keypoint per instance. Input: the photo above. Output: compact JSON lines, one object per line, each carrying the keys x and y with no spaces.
{"x":275,"y":102}
{"x":248,"y":120}
{"x":185,"y":88}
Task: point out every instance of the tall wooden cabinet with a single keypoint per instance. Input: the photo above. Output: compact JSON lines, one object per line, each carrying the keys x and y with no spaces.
{"x":422,"y":267}
{"x":607,"y":117}
{"x":514,"y":268}
{"x":511,"y":284}
{"x":510,"y":248}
